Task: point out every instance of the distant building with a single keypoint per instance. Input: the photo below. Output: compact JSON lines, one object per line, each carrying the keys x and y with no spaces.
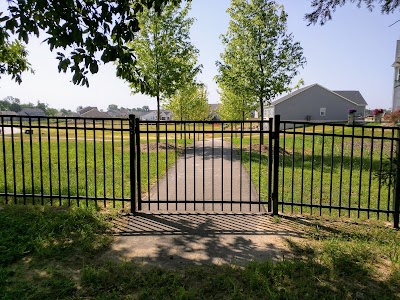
{"x":7,"y":113}
{"x":316,"y":103}
{"x":165,"y":115}
{"x":31,"y":112}
{"x":214,"y":114}
{"x":92,"y":112}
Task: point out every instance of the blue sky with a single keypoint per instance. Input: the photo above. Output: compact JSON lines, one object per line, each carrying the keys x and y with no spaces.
{"x":354,"y":51}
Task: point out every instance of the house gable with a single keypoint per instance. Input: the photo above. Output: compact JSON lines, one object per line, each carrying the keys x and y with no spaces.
{"x":316,"y":103}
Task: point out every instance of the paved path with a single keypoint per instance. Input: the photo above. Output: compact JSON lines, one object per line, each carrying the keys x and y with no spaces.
{"x":8,"y":130}
{"x":206,"y":173}
{"x":176,"y":239}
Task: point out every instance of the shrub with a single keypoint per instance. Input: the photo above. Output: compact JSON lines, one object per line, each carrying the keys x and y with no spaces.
{"x":393,"y":117}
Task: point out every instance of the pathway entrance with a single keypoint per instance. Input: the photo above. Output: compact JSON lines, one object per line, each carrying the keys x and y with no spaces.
{"x":208,"y":176}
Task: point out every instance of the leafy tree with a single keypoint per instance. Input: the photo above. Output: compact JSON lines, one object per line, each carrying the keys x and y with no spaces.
{"x":145,"y":108}
{"x":52,"y":112}
{"x":165,"y":56}
{"x":112,"y":107}
{"x":13,"y":59}
{"x":190,"y":103}
{"x":233,"y":105}
{"x":260,"y":58}
{"x":42,"y":106}
{"x":15,"y":107}
{"x":84,"y":32}
{"x":323,"y":9}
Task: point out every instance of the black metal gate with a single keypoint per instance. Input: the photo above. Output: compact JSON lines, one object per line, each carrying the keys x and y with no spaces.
{"x":206,"y":166}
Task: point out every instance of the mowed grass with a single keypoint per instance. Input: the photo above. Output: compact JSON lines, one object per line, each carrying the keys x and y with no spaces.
{"x":57,"y":169}
{"x":331,"y":171}
{"x":57,"y":253}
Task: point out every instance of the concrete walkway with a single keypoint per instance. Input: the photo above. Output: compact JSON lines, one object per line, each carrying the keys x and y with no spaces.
{"x":179,"y":239}
{"x":205,"y":174}
{"x":204,"y":232}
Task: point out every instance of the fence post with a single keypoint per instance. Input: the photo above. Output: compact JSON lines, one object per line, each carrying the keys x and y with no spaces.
{"x":138,"y":164}
{"x":270,"y":160}
{"x":277,"y":126}
{"x":396,"y":197}
{"x":132,"y":161}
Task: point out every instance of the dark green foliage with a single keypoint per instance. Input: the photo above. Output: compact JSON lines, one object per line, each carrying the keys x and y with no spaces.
{"x":323,"y":9}
{"x":84,"y":32}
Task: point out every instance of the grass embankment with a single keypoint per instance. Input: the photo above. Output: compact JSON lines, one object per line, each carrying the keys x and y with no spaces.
{"x":53,"y":253}
{"x":332,"y":171}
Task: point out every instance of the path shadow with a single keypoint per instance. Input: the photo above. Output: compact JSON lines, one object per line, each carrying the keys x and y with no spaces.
{"x":175,"y":239}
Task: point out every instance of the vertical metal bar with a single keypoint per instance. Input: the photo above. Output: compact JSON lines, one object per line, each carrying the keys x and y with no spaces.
{"x":194,"y":166}
{"x":86,"y":162}
{"x":212,"y":167}
{"x":204,"y":169}
{"x":76,"y":161}
{"x":176,"y":167}
{"x":392,"y":141}
{"x":396,"y":197}
{"x":31,"y":158}
{"x":351,"y":171}
{"x":231,"y":165}
{"x":302,"y":169}
{"x":361,"y":169}
{"x":341,"y":171}
{"x":68,"y":169}
{"x":22,"y":161}
{"x":40,"y":161}
{"x":5,"y":160}
{"x":59,"y":161}
{"x":259,"y":165}
{"x":50,"y":168}
{"x":241,"y":162}
{"x":132,"y":162}
{"x":293,"y":160}
{"x":166,"y":161}
{"x":122,"y":165}
{"x":250,"y":168}
{"x":276,"y":165}
{"x":331,"y":175}
{"x":13,"y":158}
{"x":104,"y":163}
{"x":312,"y":169}
{"x":138,"y":164}
{"x":271,"y":134}
{"x":148,"y":164}
{"x":157,"y":163}
{"x":113,"y":161}
{"x":322,"y":170}
{"x":222,"y":168}
{"x":283,"y":166}
{"x":371,"y":157}
{"x":185,"y":149}
{"x":95,"y":162}
{"x":380,"y":171}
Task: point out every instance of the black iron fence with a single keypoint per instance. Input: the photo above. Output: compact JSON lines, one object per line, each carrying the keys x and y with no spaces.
{"x":64,"y":161}
{"x":275,"y":166}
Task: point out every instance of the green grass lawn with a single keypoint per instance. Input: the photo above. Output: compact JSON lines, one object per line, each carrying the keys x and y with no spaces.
{"x":56,"y":253}
{"x":64,"y":168}
{"x":331,"y":171}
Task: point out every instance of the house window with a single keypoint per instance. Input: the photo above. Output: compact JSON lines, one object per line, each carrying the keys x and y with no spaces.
{"x":322,"y":111}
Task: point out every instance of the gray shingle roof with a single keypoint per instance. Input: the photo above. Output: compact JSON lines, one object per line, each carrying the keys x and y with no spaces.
{"x":354,"y":96}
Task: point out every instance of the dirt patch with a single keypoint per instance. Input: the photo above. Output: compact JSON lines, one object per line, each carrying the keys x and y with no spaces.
{"x":264,"y":149}
{"x":153,"y":146}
